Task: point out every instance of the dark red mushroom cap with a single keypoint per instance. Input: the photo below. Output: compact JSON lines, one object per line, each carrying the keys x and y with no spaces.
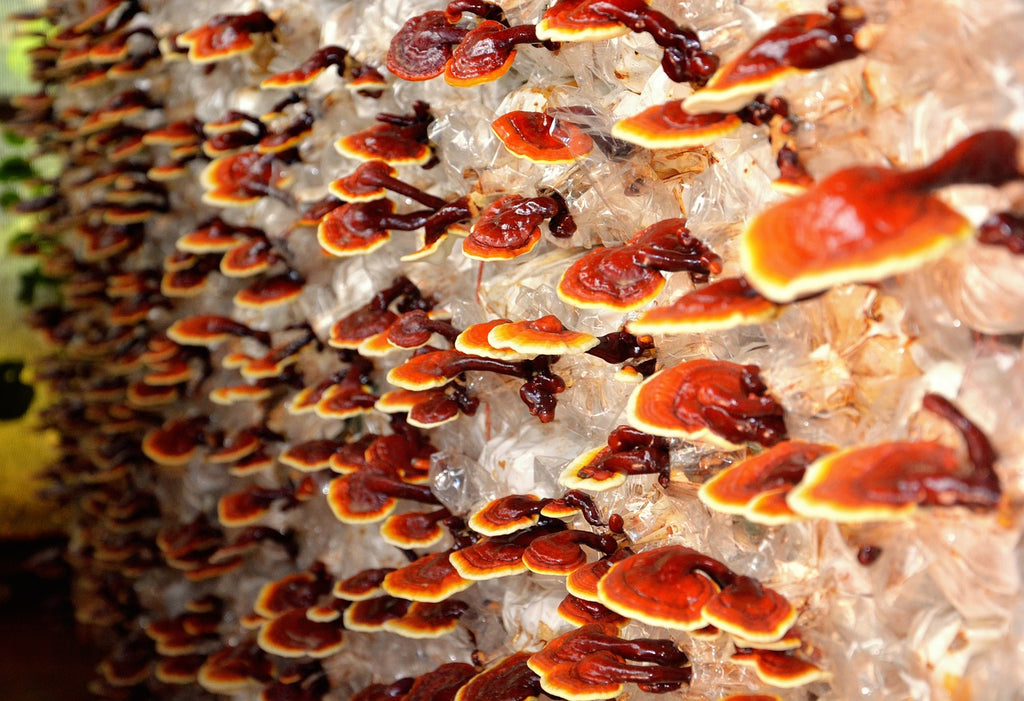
{"x":507,"y":228}
{"x":369,"y":615}
{"x":240,"y":179}
{"x":785,"y":670}
{"x":384,"y":142}
{"x":362,"y":585}
{"x":361,"y":185}
{"x":414,"y":529}
{"x":540,"y":138}
{"x":292,"y":634}
{"x":175,"y":443}
{"x":441,"y":684}
{"x":355,"y":228}
{"x":507,"y":514}
{"x":310,"y":456}
{"x":402,"y":401}
{"x":723,"y":304}
{"x":595,"y":480}
{"x":544,"y":336}
{"x":662,"y":587}
{"x":224,"y":36}
{"x":509,"y":679}
{"x":581,"y":612}
{"x":798,"y":43}
{"x":214,"y":236}
{"x":351,"y":502}
{"x":670,"y":126}
{"x":179,"y":133}
{"x":296,"y":590}
{"x":431,"y":578}
{"x":423,"y":46}
{"x":343,"y":401}
{"x":748,"y":610}
{"x":269,"y":292}
{"x":775,"y":471}
{"x":182,"y":669}
{"x":308,"y":71}
{"x":235,"y":669}
{"x":609,"y":278}
{"x":576,"y":20}
{"x":425,"y":621}
{"x":481,"y":57}
{"x":247,"y":258}
{"x":365,"y":322}
{"x":713,"y":401}
{"x":495,"y":557}
{"x":251,"y":464}
{"x":562,"y":553}
{"x":582,"y":582}
{"x":427,"y":371}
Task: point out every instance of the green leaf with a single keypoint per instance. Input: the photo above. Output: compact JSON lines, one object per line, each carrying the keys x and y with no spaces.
{"x":13,"y":139}
{"x":9,"y":198}
{"x":15,"y":168}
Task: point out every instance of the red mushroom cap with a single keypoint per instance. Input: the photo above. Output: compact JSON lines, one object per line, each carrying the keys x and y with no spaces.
{"x":723,"y":304}
{"x":670,"y":126}
{"x":507,"y":228}
{"x":362,"y":585}
{"x":292,"y":634}
{"x":441,"y":684}
{"x":774,"y":471}
{"x":355,"y":186}
{"x":308,"y":71}
{"x":609,"y":278}
{"x":507,"y":514}
{"x":480,"y":57}
{"x":581,"y":612}
{"x":351,"y":502}
{"x":781,"y":669}
{"x":354,"y":228}
{"x":426,"y":371}
{"x":473,"y":341}
{"x":383,"y":142}
{"x":750,"y":611}
{"x":425,"y":621}
{"x":509,"y":679}
{"x":310,"y":456}
{"x":713,"y":401}
{"x":296,"y":590}
{"x":423,"y":46}
{"x":270,"y":292}
{"x":414,"y":529}
{"x":540,"y":138}
{"x":224,"y":36}
{"x":575,"y":20}
{"x":660,"y":587}
{"x":369,"y":615}
{"x":562,"y":553}
{"x":544,"y":336}
{"x":431,"y":578}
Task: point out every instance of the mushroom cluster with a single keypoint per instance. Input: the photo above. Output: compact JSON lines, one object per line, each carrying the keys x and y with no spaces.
{"x":699,"y":373}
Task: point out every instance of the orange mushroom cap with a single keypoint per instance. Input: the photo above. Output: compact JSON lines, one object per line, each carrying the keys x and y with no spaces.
{"x":369,"y":615}
{"x":540,"y":138}
{"x":473,"y":341}
{"x":251,"y":464}
{"x":750,"y":611}
{"x":344,"y":400}
{"x":296,"y":590}
{"x":670,"y":126}
{"x":510,"y":679}
{"x":714,"y":401}
{"x":310,"y":456}
{"x":383,"y":142}
{"x":354,"y":228}
{"x":866,"y":223}
{"x":362,"y":585}
{"x":234,"y":394}
{"x":582,"y":582}
{"x":497,"y":556}
{"x":213,"y":236}
{"x":507,"y":228}
{"x":235,"y":669}
{"x":782,"y":669}
{"x":248,"y":257}
{"x":270,"y":292}
{"x":308,"y":71}
{"x":351,"y":502}
{"x":428,"y":620}
{"x":772,"y":472}
{"x":507,"y":514}
{"x":666,"y":587}
{"x":183,"y":669}
{"x":609,"y":278}
{"x":292,"y":634}
{"x":425,"y":371}
{"x":575,"y":20}
{"x":582,"y":612}
{"x":224,"y":36}
{"x":414,"y":529}
{"x":724,"y":304}
{"x":543,"y":336}
{"x":562,"y":553}
{"x":479,"y":58}
{"x":431,"y":578}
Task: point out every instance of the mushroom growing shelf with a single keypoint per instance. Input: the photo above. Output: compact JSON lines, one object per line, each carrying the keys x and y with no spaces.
{"x":570,"y":349}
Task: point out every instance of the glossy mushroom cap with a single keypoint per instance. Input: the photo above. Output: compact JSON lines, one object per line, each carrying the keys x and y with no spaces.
{"x":723,"y":304}
{"x":540,"y":138}
{"x":609,"y":278}
{"x":669,"y":125}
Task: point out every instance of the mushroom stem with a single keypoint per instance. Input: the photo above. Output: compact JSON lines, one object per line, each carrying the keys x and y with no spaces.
{"x":582,"y":501}
{"x":1004,"y":229}
{"x":414,"y":328}
{"x":982,"y":455}
{"x":657,"y":651}
{"x":393,"y":487}
{"x":606,"y":665}
{"x":619,"y":346}
{"x":480,"y":8}
{"x":985,"y":158}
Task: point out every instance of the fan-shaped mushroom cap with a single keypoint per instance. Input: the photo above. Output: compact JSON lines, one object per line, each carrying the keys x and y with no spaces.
{"x":609,"y":278}
{"x":885,"y":481}
{"x":544,"y":336}
{"x":179,"y":133}
{"x":441,"y":684}
{"x":235,"y":669}
{"x":251,"y":464}
{"x":423,"y":46}
{"x":507,"y":514}
{"x":426,"y":371}
{"x":597,"y":482}
{"x":175,"y":443}
{"x":234,"y":394}
{"x":310,"y":456}
{"x":582,"y":582}
{"x":723,"y":304}
{"x":344,"y":400}
{"x":369,"y":615}
{"x":425,"y":621}
{"x":661,"y":587}
{"x":431,"y":578}
{"x":355,"y":228}
{"x":351,"y":502}
{"x":575,"y":20}
{"x":473,"y":341}
{"x":240,"y":179}
{"x":182,"y":669}
{"x":540,"y":138}
{"x":296,"y":590}
{"x":495,"y":557}
{"x":383,"y":142}
{"x":782,"y":669}
{"x":670,"y":126}
{"x":713,"y":401}
{"x":750,"y":611}
{"x":479,"y":57}
{"x":562,"y":553}
{"x":141,"y":394}
{"x":308,"y":71}
{"x":414,"y":529}
{"x":224,"y":36}
{"x":292,"y":634}
{"x":774,"y":471}
{"x":858,"y":225}
{"x":401,"y":401}
{"x":270,"y":292}
{"x":213,"y":236}
{"x":507,"y":228}
{"x":362,"y":585}
{"x":350,"y":331}
{"x":509,"y":679}
{"x":582,"y":612}
{"x":797,"y":43}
